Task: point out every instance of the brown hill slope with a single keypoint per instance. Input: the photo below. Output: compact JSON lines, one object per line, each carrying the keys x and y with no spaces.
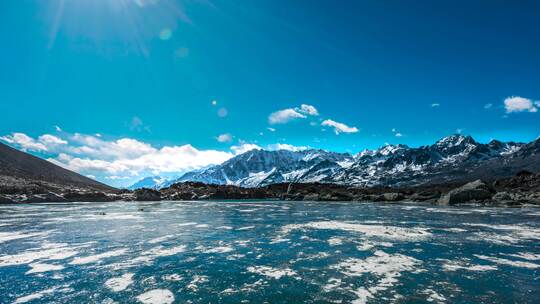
{"x":17,"y":165}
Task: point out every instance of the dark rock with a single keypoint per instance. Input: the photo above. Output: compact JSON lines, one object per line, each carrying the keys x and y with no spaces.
{"x":88,"y":197}
{"x":5,"y":200}
{"x":312,"y":197}
{"x":472,"y":192}
{"x":391,"y":197}
{"x":145,"y":194}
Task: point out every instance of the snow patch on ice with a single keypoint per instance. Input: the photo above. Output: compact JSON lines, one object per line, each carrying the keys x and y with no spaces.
{"x":275,"y":273}
{"x":97,"y":257}
{"x":49,"y":251}
{"x":39,"y":267}
{"x":10,"y":236}
{"x":156,"y":296}
{"x":380,"y":231}
{"x":507,"y":262}
{"x":120,"y":283}
{"x":221,"y":249}
{"x":387,"y":267}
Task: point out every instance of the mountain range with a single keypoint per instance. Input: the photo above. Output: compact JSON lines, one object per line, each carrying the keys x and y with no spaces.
{"x":455,"y":158}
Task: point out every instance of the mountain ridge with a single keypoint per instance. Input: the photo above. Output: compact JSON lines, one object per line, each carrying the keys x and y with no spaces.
{"x":455,"y":157}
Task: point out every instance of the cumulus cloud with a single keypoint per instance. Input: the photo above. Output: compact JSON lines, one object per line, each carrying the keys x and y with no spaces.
{"x":339,"y":127}
{"x":516,"y":104}
{"x":280,"y":146}
{"x":93,"y":146}
{"x":284,"y":116}
{"x":116,"y":177}
{"x":244,"y":147}
{"x":398,"y":134}
{"x":308,"y":110}
{"x":488,"y":106}
{"x":435,"y":105}
{"x":24,"y":142}
{"x":224,"y":138}
{"x":271,"y":129}
{"x":49,"y":139}
{"x":125,"y":158}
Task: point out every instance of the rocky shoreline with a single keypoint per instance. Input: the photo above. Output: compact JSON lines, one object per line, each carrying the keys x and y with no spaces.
{"x":521,"y":189}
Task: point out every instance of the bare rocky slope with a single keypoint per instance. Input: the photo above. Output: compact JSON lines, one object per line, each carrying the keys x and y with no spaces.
{"x":24,"y":177}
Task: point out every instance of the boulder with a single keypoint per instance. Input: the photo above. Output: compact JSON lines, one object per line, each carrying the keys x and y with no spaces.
{"x":311,"y":197}
{"x":472,"y":192}
{"x":391,"y":197}
{"x":145,"y":194}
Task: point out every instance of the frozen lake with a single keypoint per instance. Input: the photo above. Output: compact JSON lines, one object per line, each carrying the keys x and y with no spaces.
{"x":267,"y":251}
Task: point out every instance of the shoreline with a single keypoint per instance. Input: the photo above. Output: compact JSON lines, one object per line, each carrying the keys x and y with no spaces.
{"x":521,"y":189}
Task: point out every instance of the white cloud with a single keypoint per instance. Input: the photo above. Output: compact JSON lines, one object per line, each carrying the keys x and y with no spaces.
{"x":434,"y":105}
{"x":58,"y":129}
{"x":339,"y":127}
{"x":93,"y":146}
{"x":25,"y":142}
{"x":519,"y":104}
{"x":308,"y":109}
{"x":488,"y":106}
{"x":271,"y":129}
{"x":280,"y":146}
{"x":165,"y":160}
{"x":125,"y":158}
{"x":244,"y":147}
{"x":48,"y":139}
{"x":284,"y":116}
{"x":116,"y":177}
{"x":224,"y":138}
{"x":396,"y":133}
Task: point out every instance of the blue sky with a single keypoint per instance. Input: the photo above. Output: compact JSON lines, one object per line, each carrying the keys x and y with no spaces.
{"x":188,"y":80}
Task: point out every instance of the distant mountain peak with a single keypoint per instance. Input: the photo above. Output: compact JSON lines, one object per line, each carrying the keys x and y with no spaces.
{"x":450,"y":158}
{"x":153,"y":182}
{"x":456,"y":140}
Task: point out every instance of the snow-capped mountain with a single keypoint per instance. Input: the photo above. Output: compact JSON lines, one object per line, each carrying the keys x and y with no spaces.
{"x":452,"y":158}
{"x":153,"y":182}
{"x":260,"y":167}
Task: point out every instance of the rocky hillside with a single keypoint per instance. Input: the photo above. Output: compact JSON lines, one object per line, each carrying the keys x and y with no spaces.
{"x":521,"y":189}
{"x":24,"y":175}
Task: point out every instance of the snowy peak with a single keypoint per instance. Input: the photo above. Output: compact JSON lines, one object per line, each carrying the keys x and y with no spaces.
{"x":153,"y":182}
{"x":261,"y":167}
{"x":391,"y":149}
{"x":455,"y":140}
{"x":451,"y":157}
